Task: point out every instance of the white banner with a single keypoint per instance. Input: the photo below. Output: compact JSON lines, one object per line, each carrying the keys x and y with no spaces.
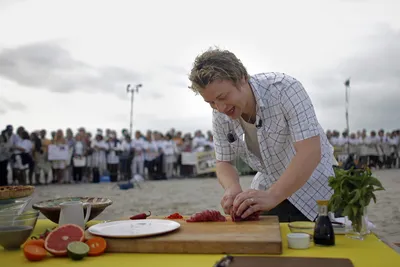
{"x":58,"y":152}
{"x":203,"y":161}
{"x":189,"y":158}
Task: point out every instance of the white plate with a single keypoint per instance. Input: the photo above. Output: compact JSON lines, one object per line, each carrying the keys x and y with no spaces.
{"x":133,"y":228}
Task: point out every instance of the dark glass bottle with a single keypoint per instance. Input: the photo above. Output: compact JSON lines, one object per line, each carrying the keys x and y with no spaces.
{"x":323,"y":230}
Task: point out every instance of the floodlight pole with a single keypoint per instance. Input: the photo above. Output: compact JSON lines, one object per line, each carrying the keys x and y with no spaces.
{"x":347,"y":84}
{"x":132,"y":91}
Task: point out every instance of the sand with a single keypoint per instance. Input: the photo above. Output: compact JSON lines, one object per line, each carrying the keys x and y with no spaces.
{"x":191,"y":195}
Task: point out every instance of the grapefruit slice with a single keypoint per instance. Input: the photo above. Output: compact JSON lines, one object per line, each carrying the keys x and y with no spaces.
{"x":57,"y":240}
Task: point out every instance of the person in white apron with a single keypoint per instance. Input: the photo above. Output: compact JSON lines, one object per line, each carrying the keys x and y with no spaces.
{"x":23,"y":150}
{"x":150,"y":155}
{"x":69,"y":164}
{"x":138,"y":146}
{"x":5,"y":155}
{"x":169,"y":156}
{"x":15,"y":160}
{"x":268,"y":120}
{"x":114,"y":151}
{"x":78,"y":158}
{"x":99,"y":160}
{"x":125,"y":158}
{"x":59,"y":165}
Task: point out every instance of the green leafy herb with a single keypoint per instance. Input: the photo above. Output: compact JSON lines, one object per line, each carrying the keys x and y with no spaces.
{"x":353,"y":191}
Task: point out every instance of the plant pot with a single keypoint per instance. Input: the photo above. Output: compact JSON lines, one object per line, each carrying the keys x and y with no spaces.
{"x":358,"y":229}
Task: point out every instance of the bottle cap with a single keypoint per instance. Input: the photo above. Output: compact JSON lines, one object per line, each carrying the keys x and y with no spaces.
{"x":322,"y":202}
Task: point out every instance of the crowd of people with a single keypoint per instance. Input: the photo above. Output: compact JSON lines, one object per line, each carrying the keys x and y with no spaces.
{"x":378,"y":149}
{"x":153,"y":155}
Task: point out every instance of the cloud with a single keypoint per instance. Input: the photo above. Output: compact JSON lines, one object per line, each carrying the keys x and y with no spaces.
{"x":7,"y":3}
{"x":180,"y":83}
{"x":374,"y":83}
{"x":48,"y":66}
{"x":7,"y":105}
{"x":179,"y":75}
{"x":176,"y":69}
{"x":160,"y":123}
{"x":155,"y":95}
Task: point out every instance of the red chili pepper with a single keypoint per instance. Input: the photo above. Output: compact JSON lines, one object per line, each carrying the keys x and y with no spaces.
{"x":140,"y":216}
{"x":175,"y":216}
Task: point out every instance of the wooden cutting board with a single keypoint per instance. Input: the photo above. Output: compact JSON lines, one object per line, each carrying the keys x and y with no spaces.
{"x":245,"y":261}
{"x":252,"y":237}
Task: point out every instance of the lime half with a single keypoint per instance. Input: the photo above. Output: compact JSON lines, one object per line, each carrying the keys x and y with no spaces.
{"x":77,"y":250}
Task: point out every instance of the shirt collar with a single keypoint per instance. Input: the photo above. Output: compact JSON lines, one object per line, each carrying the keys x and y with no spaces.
{"x":255,"y":85}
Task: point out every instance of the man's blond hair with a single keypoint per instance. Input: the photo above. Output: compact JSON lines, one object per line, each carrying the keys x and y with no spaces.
{"x":216,"y":64}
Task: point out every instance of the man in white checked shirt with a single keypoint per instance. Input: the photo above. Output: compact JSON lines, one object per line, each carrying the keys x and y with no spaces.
{"x":269,"y":121}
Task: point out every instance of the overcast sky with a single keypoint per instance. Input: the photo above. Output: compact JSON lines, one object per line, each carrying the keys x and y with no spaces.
{"x":67,"y":63}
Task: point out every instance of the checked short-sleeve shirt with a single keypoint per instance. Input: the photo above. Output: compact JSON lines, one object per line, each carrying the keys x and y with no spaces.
{"x":285,"y":115}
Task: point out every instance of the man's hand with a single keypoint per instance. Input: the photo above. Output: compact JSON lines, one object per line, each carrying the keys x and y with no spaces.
{"x":229,"y":179}
{"x":251,"y":201}
{"x":229,"y":196}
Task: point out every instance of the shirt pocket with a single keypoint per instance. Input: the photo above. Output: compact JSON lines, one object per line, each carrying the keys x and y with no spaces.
{"x":276,"y":147}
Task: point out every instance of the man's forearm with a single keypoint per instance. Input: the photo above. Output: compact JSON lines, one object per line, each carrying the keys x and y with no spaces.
{"x":227,"y":174}
{"x":298,"y":172}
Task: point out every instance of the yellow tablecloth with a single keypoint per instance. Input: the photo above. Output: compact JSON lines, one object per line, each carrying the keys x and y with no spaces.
{"x":370,"y":252}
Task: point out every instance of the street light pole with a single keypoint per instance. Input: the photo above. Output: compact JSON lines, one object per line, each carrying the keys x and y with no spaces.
{"x":132,"y":91}
{"x":347,"y":84}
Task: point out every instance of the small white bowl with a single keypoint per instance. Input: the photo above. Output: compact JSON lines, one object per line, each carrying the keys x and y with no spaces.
{"x":298,"y":240}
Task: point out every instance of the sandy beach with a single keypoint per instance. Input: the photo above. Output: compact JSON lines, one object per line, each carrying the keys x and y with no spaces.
{"x":188,"y":196}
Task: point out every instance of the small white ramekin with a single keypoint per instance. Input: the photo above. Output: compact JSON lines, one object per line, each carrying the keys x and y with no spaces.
{"x":298,"y":240}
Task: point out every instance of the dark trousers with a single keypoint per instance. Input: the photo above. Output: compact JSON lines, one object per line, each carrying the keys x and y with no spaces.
{"x":96,"y":175}
{"x":159,"y":172}
{"x":77,"y":173}
{"x":150,"y":165}
{"x":31,"y":172}
{"x":3,"y":172}
{"x":113,"y":169}
{"x":186,"y":170}
{"x":125,"y":168}
{"x":178,"y":165}
{"x":287,"y":212}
